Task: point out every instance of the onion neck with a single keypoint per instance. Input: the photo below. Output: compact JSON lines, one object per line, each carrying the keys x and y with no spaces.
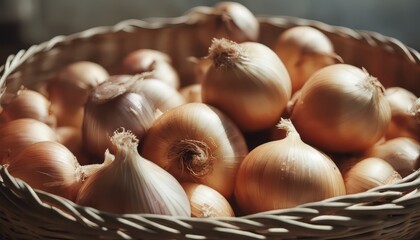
{"x":287,"y":125}
{"x":225,"y":53}
{"x":373,"y":85}
{"x":125,"y":145}
{"x":193,"y":156}
{"x":114,"y":87}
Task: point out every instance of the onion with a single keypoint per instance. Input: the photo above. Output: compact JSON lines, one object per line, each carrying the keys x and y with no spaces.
{"x":403,"y":117}
{"x":402,"y":153}
{"x":248,"y":82}
{"x":48,"y":166}
{"x":304,"y":50}
{"x":71,"y":138}
{"x":20,"y":133}
{"x":69,"y":91}
{"x":363,"y":174}
{"x":284,"y":174}
{"x":191,"y":93}
{"x":28,"y":104}
{"x":132,"y":184}
{"x":162,"y":96}
{"x":197,"y":143}
{"x":229,"y":20}
{"x":206,"y":202}
{"x":110,"y":106}
{"x":341,"y":108}
{"x":153,"y":61}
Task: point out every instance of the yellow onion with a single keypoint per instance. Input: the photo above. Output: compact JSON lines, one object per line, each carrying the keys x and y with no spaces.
{"x":229,"y":20}
{"x":248,"y":82}
{"x":402,"y":153}
{"x":153,"y":61}
{"x":197,"y":143}
{"x":403,"y":117}
{"x":285,"y":173}
{"x":71,"y":138}
{"x":191,"y":93}
{"x":69,"y":91}
{"x":162,"y":96}
{"x":304,"y":50}
{"x":28,"y":104}
{"x":341,"y":108}
{"x":133,"y":184}
{"x":206,"y":202}
{"x":48,"y":166}
{"x":110,"y":106}
{"x":363,"y":174}
{"x":20,"y":133}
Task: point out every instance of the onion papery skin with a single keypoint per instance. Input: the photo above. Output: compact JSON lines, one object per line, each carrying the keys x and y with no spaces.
{"x":285,"y":173}
{"x":341,"y":109}
{"x":248,"y":82}
{"x":197,"y":143}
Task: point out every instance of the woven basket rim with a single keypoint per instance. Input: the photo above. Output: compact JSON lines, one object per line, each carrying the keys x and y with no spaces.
{"x":391,"y":199}
{"x":371,"y":37}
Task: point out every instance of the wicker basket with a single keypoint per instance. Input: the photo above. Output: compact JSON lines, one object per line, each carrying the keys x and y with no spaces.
{"x":388,"y":212}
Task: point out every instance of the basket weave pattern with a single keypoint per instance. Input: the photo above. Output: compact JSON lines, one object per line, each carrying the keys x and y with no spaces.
{"x":388,"y":212}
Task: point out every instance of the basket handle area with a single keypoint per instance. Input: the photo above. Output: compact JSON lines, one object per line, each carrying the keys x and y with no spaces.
{"x":382,"y":210}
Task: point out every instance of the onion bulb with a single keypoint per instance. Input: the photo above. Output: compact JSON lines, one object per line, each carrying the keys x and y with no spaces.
{"x":191,"y":93}
{"x":20,"y":133}
{"x":229,"y":20}
{"x":71,"y":138}
{"x":403,"y":121}
{"x":363,"y":174}
{"x":304,"y":50}
{"x":153,"y":61}
{"x":162,"y":96}
{"x":132,"y":184}
{"x":341,"y":108}
{"x":48,"y":166}
{"x":402,"y":153}
{"x":285,"y":173}
{"x":197,"y":143}
{"x":206,"y":202}
{"x":69,"y":90}
{"x":28,"y":104}
{"x":248,"y":82}
{"x":110,"y":106}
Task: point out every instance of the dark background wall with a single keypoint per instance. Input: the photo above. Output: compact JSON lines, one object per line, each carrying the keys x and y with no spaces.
{"x":27,"y":22}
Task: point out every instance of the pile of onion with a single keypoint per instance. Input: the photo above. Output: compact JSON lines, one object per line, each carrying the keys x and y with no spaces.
{"x":146,"y":140}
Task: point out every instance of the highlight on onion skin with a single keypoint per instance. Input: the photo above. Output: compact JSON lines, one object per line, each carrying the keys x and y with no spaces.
{"x":341,"y":108}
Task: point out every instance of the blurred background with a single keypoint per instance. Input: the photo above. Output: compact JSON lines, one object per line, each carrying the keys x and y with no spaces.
{"x":27,"y":22}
